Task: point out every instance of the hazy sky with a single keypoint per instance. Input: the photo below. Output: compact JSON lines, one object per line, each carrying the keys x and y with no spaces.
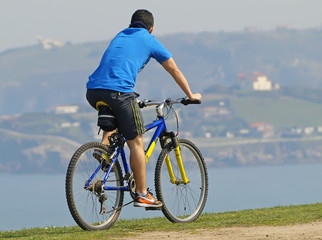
{"x":92,"y":20}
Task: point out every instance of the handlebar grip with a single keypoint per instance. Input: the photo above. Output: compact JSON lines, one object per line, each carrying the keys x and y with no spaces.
{"x":142,"y":103}
{"x":186,"y":101}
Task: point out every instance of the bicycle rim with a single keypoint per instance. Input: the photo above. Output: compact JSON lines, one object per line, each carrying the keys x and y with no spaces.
{"x":83,"y":204}
{"x":182,"y":202}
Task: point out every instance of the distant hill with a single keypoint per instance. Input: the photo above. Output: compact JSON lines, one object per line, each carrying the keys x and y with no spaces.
{"x":236,"y":128}
{"x":34,"y":79}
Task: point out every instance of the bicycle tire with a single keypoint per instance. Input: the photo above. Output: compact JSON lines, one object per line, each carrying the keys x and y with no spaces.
{"x":84,"y":204}
{"x":182,"y":202}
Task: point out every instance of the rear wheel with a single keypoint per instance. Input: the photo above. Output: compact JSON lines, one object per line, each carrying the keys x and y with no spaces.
{"x":182,"y":202}
{"x":91,"y":207}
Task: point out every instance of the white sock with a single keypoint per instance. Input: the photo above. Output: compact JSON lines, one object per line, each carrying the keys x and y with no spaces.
{"x":142,"y":194}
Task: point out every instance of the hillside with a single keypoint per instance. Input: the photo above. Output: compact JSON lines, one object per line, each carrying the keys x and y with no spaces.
{"x":235,"y":125}
{"x":225,"y":127}
{"x":33,"y":79}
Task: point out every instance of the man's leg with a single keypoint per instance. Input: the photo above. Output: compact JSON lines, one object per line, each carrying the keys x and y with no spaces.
{"x":105,"y":136}
{"x":98,"y":154}
{"x":137,"y":162}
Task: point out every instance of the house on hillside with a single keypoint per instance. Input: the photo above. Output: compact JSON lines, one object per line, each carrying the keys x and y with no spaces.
{"x":309,"y":130}
{"x":211,"y":112}
{"x":283,"y":28}
{"x":262,"y":129}
{"x":259,"y":81}
{"x":262,"y":83}
{"x":319,"y":129}
{"x":66,"y":109}
{"x":48,"y":43}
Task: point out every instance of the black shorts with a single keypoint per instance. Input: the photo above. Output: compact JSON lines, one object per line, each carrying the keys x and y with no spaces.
{"x":124,"y":107}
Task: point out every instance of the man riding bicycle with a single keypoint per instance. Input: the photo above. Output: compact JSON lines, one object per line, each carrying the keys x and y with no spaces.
{"x":112,"y":86}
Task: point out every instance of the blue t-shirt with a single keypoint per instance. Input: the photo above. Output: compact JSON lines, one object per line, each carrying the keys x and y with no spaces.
{"x":126,"y":55}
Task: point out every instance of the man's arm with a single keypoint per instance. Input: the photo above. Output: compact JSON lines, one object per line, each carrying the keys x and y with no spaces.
{"x":171,"y":67}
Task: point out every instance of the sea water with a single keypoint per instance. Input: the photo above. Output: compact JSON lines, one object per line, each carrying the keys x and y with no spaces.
{"x":38,"y":200}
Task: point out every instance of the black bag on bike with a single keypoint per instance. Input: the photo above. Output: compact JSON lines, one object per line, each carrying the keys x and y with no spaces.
{"x":106,"y":119}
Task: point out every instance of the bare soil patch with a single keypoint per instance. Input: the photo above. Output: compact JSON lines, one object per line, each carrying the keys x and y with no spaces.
{"x":293,"y":232}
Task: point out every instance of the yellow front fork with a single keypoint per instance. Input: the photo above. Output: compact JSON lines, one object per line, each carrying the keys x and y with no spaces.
{"x":180,"y":165}
{"x":168,"y":162}
{"x":170,"y":170}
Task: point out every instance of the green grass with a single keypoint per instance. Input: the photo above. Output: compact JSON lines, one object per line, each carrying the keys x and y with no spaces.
{"x":276,"y":216}
{"x":287,"y":112}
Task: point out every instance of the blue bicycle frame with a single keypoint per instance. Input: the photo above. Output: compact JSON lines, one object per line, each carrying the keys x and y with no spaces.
{"x":160,"y":128}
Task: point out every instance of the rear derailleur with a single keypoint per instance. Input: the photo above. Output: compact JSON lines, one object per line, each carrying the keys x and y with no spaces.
{"x":98,"y":189}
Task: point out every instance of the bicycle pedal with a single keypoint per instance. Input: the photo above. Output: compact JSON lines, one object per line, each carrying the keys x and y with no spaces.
{"x":153,"y":208}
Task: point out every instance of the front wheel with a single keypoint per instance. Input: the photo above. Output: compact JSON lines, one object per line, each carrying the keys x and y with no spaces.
{"x":182,"y":202}
{"x":91,"y":207}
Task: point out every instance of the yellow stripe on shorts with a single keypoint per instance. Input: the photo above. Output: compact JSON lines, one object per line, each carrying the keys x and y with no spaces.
{"x":137,"y":119}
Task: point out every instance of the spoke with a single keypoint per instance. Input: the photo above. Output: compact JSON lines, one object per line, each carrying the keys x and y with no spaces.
{"x":86,"y":204}
{"x":182,"y":202}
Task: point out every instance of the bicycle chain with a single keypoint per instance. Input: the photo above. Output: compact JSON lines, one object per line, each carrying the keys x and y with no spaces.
{"x":118,"y":208}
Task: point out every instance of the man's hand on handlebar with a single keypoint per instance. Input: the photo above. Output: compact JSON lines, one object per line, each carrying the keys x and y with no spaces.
{"x":195,"y":97}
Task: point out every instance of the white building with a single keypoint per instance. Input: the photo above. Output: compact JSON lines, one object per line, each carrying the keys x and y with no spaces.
{"x":48,"y":43}
{"x":68,"y":109}
{"x":262,"y":83}
{"x":308,"y":130}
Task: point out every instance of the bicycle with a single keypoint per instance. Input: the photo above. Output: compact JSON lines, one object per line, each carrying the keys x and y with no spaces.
{"x":95,"y":190}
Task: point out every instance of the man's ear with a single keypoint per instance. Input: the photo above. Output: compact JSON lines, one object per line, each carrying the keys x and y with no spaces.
{"x":151,"y":30}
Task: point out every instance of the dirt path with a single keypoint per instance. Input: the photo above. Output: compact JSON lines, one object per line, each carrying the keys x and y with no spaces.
{"x":294,"y":232}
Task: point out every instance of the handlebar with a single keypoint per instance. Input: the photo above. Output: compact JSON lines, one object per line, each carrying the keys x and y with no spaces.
{"x":168,"y":102}
{"x":184,"y":101}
